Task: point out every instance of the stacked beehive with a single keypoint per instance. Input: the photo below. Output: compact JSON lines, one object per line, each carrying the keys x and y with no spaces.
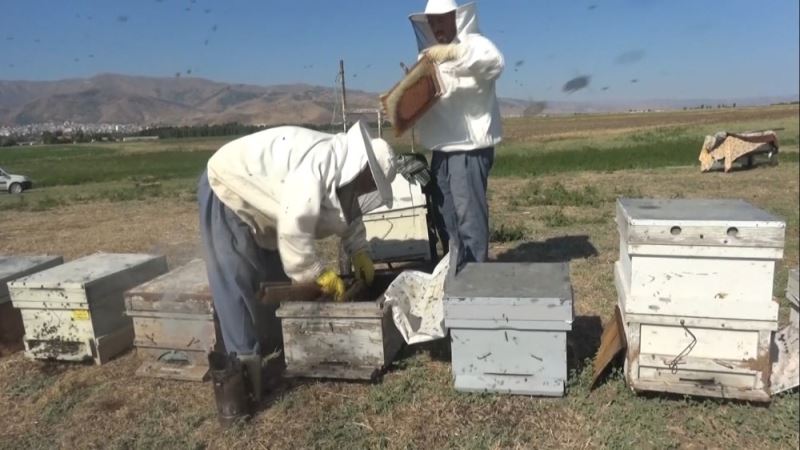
{"x":400,"y":233}
{"x":11,"y":268}
{"x":76,"y":311}
{"x":173,"y":320}
{"x":694,"y":281}
{"x":508,"y":326}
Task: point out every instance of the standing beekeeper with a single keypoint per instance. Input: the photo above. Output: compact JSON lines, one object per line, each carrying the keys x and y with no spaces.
{"x":463,"y":127}
{"x":265,"y":199}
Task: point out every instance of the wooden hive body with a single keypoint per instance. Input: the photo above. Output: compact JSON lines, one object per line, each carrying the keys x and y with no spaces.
{"x":173,"y":320}
{"x":12,"y":267}
{"x":694,"y":283}
{"x":75,"y":311}
{"x":355,"y":340}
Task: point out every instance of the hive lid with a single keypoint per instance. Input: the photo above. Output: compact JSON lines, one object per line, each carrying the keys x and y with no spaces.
{"x":512,"y":281}
{"x":708,"y":212}
{"x":13,"y":267}
{"x":509,"y":292}
{"x":183,"y":290}
{"x":80,"y":273}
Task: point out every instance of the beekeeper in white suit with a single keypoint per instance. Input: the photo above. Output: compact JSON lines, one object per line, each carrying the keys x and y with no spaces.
{"x":463,"y":127}
{"x":264,"y":201}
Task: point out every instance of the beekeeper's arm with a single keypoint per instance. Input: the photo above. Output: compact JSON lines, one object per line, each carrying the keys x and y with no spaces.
{"x":474,"y":56}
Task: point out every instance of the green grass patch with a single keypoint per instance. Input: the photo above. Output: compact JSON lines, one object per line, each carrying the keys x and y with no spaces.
{"x":558,"y":195}
{"x":653,"y":155}
{"x":666,"y":153}
{"x":507,"y":233}
{"x":74,"y":165}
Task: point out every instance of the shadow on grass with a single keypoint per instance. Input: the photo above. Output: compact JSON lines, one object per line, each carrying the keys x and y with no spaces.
{"x":558,"y":249}
{"x":583,"y":342}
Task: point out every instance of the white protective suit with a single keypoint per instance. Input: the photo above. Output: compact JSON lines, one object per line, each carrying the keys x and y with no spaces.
{"x":282,"y":183}
{"x":467,"y":116}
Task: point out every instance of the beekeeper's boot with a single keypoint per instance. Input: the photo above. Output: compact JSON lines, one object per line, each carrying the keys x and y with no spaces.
{"x":253,"y":368}
{"x":230,"y":390}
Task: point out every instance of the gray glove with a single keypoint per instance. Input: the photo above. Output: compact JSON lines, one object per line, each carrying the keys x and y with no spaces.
{"x":413,"y":170}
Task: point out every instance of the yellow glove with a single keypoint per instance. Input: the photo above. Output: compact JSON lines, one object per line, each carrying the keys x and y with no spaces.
{"x":365,"y":269}
{"x":331,"y":284}
{"x":443,"y":52}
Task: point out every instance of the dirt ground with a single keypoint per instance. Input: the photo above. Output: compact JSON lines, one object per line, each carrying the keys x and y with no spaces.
{"x":52,"y":405}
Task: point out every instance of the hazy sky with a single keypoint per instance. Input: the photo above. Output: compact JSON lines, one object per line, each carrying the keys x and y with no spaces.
{"x":631,"y":49}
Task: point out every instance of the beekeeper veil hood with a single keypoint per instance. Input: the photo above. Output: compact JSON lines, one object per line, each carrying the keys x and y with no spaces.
{"x":466,"y":21}
{"x":366,"y":173}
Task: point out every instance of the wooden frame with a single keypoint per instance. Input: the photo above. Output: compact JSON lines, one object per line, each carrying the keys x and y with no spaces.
{"x":413,"y":96}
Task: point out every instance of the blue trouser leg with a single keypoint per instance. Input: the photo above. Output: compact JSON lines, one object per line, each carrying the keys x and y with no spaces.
{"x":236,"y":268}
{"x":444,"y":212}
{"x":465,"y":176}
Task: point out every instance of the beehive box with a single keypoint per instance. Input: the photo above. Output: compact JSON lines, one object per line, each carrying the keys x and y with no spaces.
{"x":11,"y":268}
{"x":173,"y":321}
{"x":356,"y":340}
{"x":694,"y":282}
{"x":508,"y":327}
{"x":400,"y":233}
{"x":76,"y":311}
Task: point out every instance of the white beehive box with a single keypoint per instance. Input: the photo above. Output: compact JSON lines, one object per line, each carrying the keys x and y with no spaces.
{"x":75,"y":311}
{"x":508,"y":327}
{"x":11,"y":268}
{"x":699,"y":258}
{"x":400,"y":233}
{"x":173,"y":321}
{"x":694,"y":281}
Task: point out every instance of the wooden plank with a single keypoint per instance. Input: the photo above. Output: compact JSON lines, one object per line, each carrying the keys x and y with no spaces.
{"x":612,"y":343}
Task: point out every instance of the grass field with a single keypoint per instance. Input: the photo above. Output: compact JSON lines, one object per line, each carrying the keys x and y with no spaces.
{"x":552,"y":196}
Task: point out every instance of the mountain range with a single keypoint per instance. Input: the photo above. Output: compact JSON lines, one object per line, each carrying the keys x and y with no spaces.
{"x":122,"y":99}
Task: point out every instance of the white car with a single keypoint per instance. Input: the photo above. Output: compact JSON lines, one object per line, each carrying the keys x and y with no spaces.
{"x":14,"y":184}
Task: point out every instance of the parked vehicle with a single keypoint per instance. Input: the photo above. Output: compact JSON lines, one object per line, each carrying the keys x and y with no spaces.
{"x":14,"y":184}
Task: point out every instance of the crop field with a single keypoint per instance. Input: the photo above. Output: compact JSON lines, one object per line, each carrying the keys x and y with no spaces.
{"x":552,"y":194}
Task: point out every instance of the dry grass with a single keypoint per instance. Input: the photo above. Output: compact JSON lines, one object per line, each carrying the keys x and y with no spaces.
{"x":49,"y":405}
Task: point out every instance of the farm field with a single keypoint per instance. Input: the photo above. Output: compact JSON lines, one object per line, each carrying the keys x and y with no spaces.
{"x":552,"y":195}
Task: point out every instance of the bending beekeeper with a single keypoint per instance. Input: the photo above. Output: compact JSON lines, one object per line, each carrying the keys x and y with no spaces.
{"x":265,"y":199}
{"x":463,"y":127}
